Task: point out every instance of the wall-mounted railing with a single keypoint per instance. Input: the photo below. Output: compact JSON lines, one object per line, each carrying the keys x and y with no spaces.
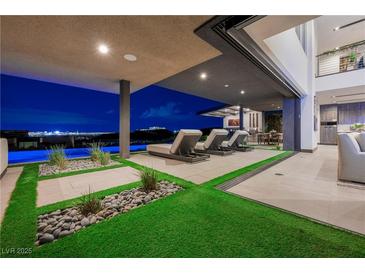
{"x":347,"y":58}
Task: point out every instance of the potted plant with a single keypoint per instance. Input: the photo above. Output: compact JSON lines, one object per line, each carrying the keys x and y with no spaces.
{"x":352,"y":61}
{"x":358,"y":127}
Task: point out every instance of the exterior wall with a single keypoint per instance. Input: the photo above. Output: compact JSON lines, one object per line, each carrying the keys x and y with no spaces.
{"x":289,"y":52}
{"x":300,"y":67}
{"x":308,"y":135}
{"x":291,"y":124}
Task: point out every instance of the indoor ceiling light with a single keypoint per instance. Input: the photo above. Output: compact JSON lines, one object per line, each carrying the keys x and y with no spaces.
{"x":349,"y":24}
{"x":242,"y":92}
{"x":203,"y":75}
{"x":130,"y":57}
{"x":336,"y":48}
{"x":226,"y":85}
{"x":103,"y":49}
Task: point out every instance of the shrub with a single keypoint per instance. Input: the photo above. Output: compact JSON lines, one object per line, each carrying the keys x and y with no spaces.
{"x":104,"y":158}
{"x":95,"y":149}
{"x":97,"y":155}
{"x":89,"y":204}
{"x":149,"y":179}
{"x":57,"y":156}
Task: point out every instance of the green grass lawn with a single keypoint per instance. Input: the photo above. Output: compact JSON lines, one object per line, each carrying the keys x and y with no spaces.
{"x":199,"y":221}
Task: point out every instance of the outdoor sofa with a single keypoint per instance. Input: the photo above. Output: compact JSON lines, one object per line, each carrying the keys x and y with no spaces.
{"x":351,"y":157}
{"x":3,"y":156}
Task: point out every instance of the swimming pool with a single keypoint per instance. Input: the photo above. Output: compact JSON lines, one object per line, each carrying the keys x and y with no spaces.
{"x":16,"y":157}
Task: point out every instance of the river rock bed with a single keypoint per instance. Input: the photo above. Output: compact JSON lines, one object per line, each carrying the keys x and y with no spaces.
{"x":60,"y":223}
{"x":74,"y":165}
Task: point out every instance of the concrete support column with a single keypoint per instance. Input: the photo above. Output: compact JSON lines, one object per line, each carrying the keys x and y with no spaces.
{"x":124,"y":118}
{"x":308,"y":133}
{"x":291,"y":124}
{"x":242,"y":122}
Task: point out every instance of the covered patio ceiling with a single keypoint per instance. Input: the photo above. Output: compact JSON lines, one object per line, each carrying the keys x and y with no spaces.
{"x":64,"y":49}
{"x":226,"y":77}
{"x":232,"y":78}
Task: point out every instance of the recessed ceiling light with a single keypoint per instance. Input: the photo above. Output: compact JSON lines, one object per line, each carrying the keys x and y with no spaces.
{"x":336,"y":48}
{"x":130,"y":57}
{"x":226,"y":85}
{"x":203,"y":75}
{"x":103,"y":49}
{"x":242,"y":92}
{"x":336,"y":28}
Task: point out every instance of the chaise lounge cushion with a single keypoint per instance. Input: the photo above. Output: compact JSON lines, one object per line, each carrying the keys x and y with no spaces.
{"x":180,"y":136}
{"x":234,"y":137}
{"x":360,"y":138}
{"x":200,"y":146}
{"x":160,"y":148}
{"x":191,"y":137}
{"x":213,"y":134}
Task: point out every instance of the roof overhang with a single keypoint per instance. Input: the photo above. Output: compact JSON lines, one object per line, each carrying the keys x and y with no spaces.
{"x":242,"y":66}
{"x":63,"y":49}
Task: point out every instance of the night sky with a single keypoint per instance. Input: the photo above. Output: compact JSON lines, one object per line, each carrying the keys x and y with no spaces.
{"x":38,"y":106}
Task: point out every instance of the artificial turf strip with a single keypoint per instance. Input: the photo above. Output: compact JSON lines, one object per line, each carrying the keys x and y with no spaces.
{"x":18,"y":227}
{"x":200,"y":221}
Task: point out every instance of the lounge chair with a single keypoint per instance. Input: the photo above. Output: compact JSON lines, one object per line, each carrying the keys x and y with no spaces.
{"x":237,"y":141}
{"x":213,"y":144}
{"x":182,"y":148}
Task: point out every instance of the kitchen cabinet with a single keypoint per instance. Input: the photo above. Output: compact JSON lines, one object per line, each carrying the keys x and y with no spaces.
{"x":328,"y":135}
{"x":328,"y":113}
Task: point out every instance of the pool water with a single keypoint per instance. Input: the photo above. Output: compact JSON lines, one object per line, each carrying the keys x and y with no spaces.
{"x":42,"y":155}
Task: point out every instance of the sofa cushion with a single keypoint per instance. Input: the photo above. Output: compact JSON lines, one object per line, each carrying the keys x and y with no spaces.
{"x":360,"y":138}
{"x":4,"y":155}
